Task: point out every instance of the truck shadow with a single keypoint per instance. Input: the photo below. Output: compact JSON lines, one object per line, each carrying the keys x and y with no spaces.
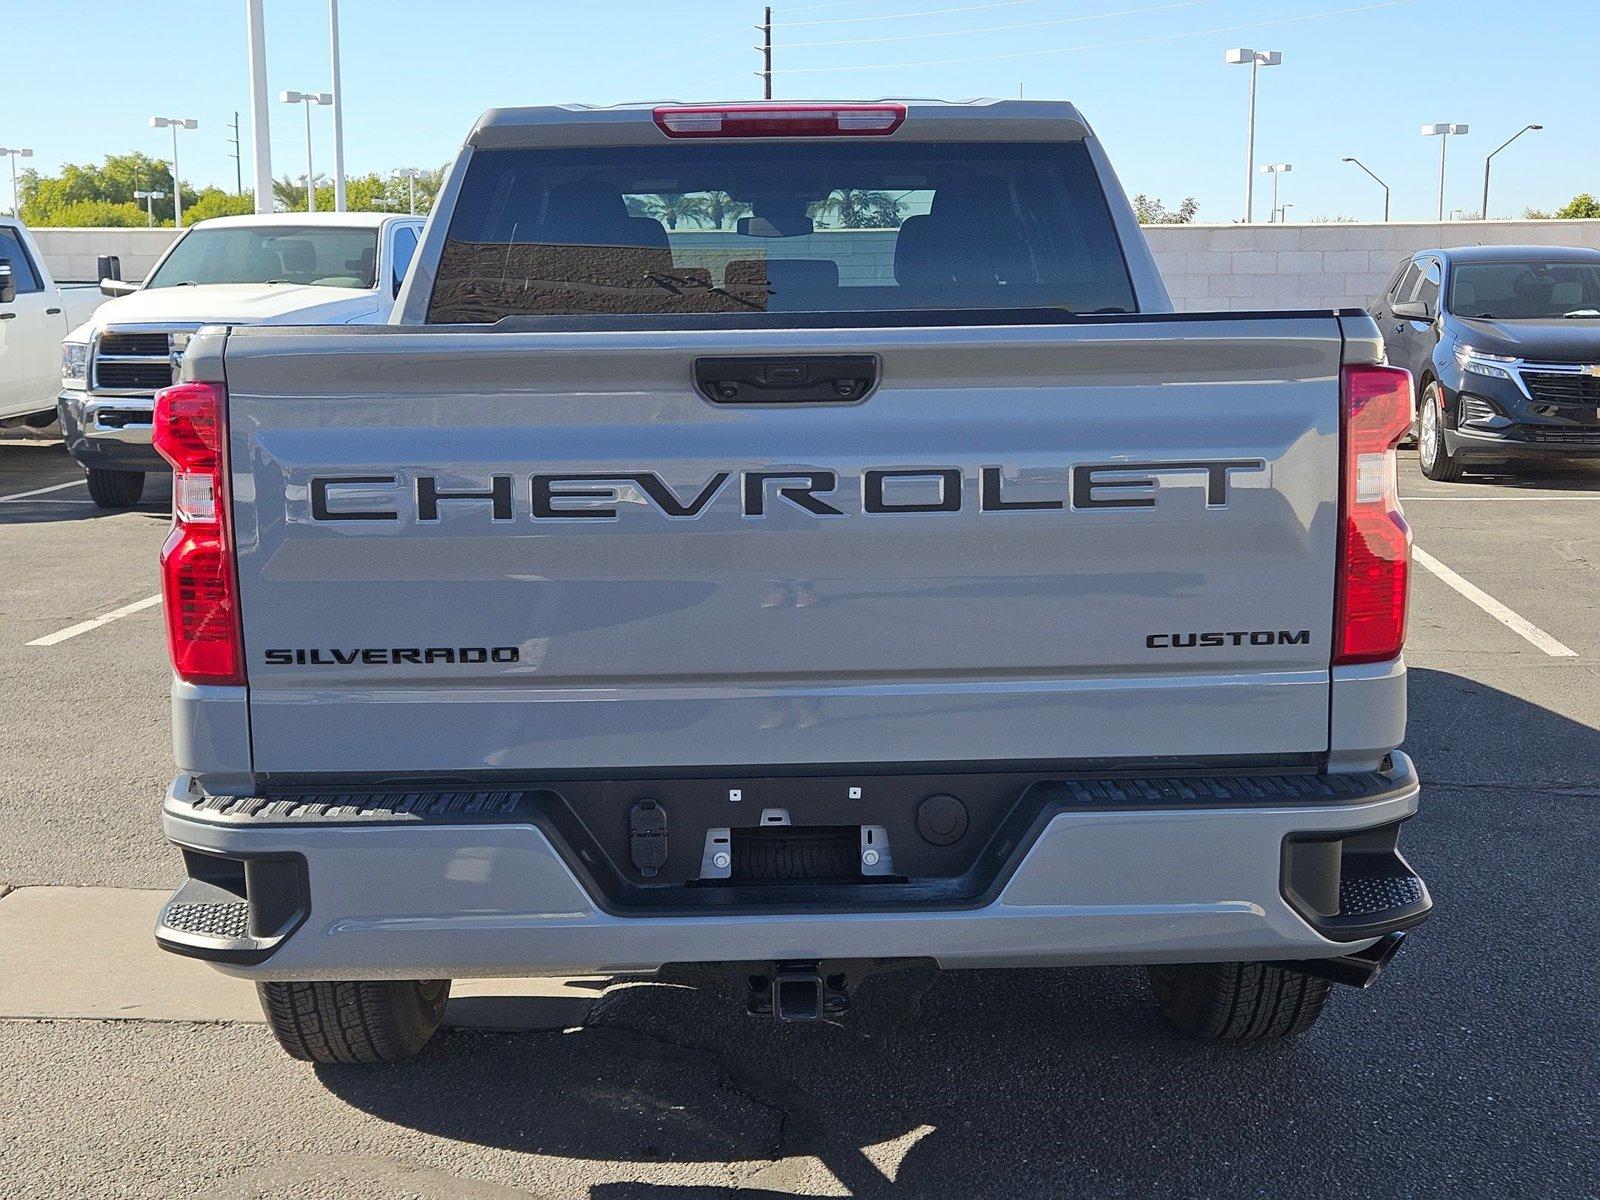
{"x":1452,"y":1076}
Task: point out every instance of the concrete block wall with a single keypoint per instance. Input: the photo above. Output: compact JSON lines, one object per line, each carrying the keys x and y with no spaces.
{"x":71,"y":253}
{"x":1336,"y":265}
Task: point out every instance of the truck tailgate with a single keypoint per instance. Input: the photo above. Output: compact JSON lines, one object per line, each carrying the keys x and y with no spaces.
{"x":1081,"y":541}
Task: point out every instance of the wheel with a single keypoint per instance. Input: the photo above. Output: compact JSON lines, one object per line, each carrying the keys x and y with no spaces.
{"x":1437,"y":461}
{"x":1238,"y":1002}
{"x":377,"y":1021}
{"x":115,"y":489}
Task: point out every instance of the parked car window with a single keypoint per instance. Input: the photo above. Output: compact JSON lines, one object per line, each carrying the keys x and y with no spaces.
{"x":23,"y":275}
{"x":1406,"y":285}
{"x":1428,"y":288}
{"x":405,"y":246}
{"x":810,"y":226}
{"x":1524,"y":290}
{"x":312,"y":254}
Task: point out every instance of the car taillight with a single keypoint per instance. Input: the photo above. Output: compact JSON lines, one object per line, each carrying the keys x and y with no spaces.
{"x":198,"y":588}
{"x":1374,"y":539}
{"x":779,"y":120}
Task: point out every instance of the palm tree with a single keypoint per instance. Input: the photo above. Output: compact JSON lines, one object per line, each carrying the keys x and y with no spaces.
{"x":722,"y":207}
{"x":669,"y":210}
{"x":858,"y":209}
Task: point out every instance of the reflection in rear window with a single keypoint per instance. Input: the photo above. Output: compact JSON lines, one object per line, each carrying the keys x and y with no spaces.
{"x":847,"y":226}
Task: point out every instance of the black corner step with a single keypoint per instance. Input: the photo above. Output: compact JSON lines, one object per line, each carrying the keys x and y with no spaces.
{"x":1349,"y":887}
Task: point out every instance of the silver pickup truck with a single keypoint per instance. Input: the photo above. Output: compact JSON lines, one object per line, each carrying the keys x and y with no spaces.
{"x":787,"y":542}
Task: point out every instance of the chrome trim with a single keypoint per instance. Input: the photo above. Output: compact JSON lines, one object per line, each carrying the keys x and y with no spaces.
{"x":93,"y":388}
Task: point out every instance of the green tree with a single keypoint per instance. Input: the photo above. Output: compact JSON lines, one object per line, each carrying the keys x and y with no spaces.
{"x":854,"y":208}
{"x":96,"y":214}
{"x":1152,"y":212}
{"x":372,"y":192}
{"x":1579,"y":207}
{"x":46,"y":197}
{"x":214,"y":202}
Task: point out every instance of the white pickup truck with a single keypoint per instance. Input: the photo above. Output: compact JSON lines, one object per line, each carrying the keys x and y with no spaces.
{"x":282,"y":268}
{"x":35,"y":314}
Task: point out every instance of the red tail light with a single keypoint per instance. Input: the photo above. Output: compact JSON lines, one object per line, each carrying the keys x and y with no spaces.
{"x":1374,"y":539}
{"x":198,"y":587}
{"x":779,"y":120}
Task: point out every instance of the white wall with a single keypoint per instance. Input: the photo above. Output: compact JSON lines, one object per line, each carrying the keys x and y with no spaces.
{"x":1336,"y":265}
{"x":71,"y":253}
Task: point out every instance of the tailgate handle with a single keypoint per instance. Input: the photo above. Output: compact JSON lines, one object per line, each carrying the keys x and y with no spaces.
{"x":811,"y":379}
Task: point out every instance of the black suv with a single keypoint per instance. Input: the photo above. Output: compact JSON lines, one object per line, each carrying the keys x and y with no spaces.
{"x":1504,"y":345}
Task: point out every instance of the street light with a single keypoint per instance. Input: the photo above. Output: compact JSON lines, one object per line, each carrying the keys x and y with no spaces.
{"x":175,"y":123}
{"x":1256,"y":58}
{"x":1379,"y":182}
{"x":1442,"y":132}
{"x":411,"y":179}
{"x":1490,"y":159}
{"x":308,"y":99}
{"x":1283,"y":213}
{"x":1275,"y":169}
{"x":16,"y":210}
{"x":149,"y":199}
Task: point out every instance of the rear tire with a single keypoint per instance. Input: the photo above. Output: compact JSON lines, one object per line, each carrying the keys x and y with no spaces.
{"x":115,"y":489}
{"x":375,"y":1021}
{"x":1432,"y":453}
{"x":1238,"y":1002}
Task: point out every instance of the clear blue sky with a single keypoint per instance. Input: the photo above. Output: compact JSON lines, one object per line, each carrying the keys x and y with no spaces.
{"x":416,"y":73}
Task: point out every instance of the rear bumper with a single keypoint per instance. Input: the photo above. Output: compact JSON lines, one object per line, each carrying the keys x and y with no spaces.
{"x":359,"y":899}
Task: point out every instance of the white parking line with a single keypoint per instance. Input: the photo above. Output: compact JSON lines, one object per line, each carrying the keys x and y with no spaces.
{"x":116,"y":614}
{"x":1519,"y":625}
{"x":41,"y":491}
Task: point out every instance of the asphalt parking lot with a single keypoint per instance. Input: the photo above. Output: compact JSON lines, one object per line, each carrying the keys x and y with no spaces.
{"x":1470,"y":1070}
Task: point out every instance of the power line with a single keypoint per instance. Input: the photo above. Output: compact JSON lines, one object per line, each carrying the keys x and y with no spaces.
{"x":908,"y":37}
{"x":927,"y":12}
{"x":1169,"y":37}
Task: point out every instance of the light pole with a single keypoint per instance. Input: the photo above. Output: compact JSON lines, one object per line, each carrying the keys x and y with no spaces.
{"x":411,"y":181}
{"x":338,"y":108}
{"x":1442,"y":132}
{"x":1378,"y":181}
{"x":175,"y":124}
{"x":1275,"y":169}
{"x":149,"y":199}
{"x":16,"y":210}
{"x":1283,"y":213}
{"x":260,"y":134}
{"x":1487,"y":161}
{"x":1256,"y":58}
{"x":308,"y":99}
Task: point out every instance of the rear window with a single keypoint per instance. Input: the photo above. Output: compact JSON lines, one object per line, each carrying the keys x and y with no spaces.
{"x":798,"y":227}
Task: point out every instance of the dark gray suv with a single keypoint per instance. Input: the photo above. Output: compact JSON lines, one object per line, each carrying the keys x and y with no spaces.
{"x":1504,"y":345}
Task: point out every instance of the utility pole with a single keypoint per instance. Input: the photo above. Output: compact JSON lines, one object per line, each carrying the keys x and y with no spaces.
{"x":766,"y":54}
{"x":238,"y":168}
{"x":338,"y":107}
{"x":260,"y":135}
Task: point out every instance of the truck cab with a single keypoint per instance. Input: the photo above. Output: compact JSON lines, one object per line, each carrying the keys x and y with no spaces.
{"x":300,"y":268}
{"x":35,"y":314}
